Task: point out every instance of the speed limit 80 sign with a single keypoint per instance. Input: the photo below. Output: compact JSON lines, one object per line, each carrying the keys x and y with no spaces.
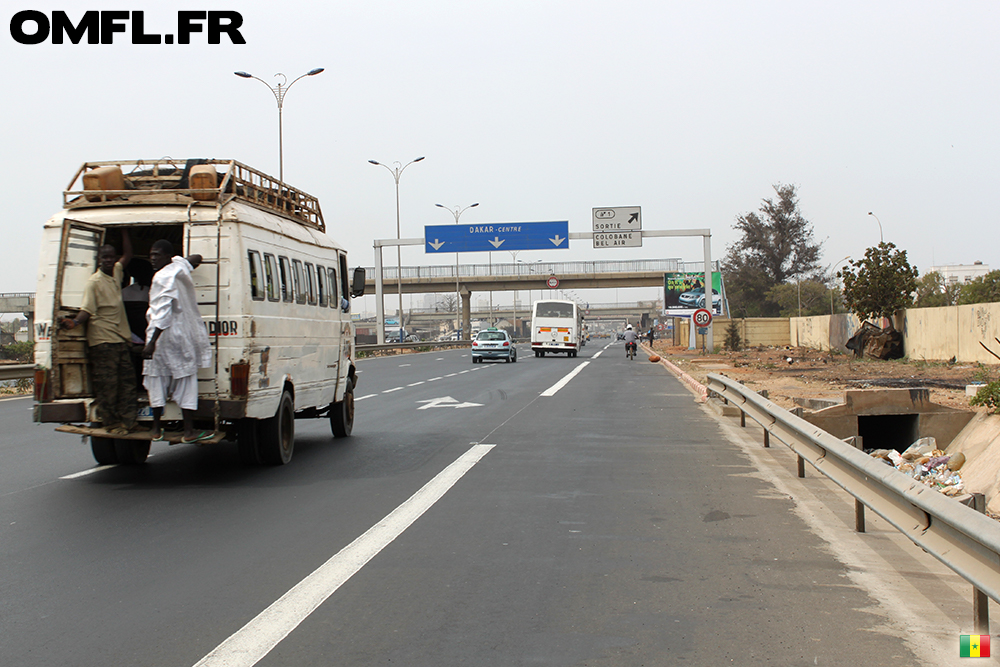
{"x":702,"y":317}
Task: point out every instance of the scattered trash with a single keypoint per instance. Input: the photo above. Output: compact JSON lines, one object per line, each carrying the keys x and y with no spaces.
{"x":926,"y":464}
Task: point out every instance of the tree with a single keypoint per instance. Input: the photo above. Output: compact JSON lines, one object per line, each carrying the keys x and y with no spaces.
{"x":777,"y":246}
{"x":813,"y":295}
{"x":932,"y":292}
{"x":880,"y":284}
{"x":446,"y":303}
{"x":984,"y":289}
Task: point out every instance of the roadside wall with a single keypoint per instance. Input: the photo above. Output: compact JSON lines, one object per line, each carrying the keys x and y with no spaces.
{"x":928,"y":333}
{"x":754,"y":331}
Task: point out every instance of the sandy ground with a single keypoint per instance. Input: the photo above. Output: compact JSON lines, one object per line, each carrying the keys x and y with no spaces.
{"x":788,"y":373}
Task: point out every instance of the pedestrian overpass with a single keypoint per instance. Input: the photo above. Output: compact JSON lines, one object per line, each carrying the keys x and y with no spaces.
{"x":465,"y":279}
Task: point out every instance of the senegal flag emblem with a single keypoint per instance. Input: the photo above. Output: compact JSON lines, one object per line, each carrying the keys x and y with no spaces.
{"x":974,"y":646}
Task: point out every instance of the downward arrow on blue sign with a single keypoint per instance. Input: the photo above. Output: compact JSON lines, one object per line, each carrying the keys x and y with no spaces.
{"x":491,"y":236}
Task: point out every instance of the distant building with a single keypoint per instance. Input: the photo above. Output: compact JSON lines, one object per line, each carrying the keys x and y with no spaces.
{"x":960,"y":273}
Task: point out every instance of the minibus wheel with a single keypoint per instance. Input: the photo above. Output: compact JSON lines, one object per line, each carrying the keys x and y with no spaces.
{"x":342,"y":414}
{"x":132,"y":452}
{"x":277,"y":434}
{"x":104,"y":450}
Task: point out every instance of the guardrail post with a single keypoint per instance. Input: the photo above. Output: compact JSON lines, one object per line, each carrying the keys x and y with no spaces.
{"x":980,"y":602}
{"x":743,"y":419}
{"x":802,"y":467}
{"x":859,"y":507}
{"x":767,"y":438}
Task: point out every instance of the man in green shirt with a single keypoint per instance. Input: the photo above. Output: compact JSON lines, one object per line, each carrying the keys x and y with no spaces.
{"x":109,"y":340}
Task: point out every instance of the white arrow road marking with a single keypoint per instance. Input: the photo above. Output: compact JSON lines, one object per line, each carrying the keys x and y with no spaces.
{"x":558,"y":239}
{"x":446,"y":402}
{"x":497,"y":242}
{"x":248,"y":645}
{"x":436,"y":244}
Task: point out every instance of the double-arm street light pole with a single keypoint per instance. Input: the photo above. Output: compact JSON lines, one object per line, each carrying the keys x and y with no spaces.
{"x":457,"y":212}
{"x":279,"y":92}
{"x":396,"y":172}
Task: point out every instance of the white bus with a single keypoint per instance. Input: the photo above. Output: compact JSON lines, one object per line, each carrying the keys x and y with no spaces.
{"x":273,"y":291}
{"x":556,"y":326}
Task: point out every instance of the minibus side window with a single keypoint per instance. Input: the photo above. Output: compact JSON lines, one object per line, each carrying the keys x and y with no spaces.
{"x":310,"y":284}
{"x":270,"y":272}
{"x":345,"y":289}
{"x":321,"y":285}
{"x":334,"y":299}
{"x":300,"y":292}
{"x":285,"y":269}
{"x":256,"y":275}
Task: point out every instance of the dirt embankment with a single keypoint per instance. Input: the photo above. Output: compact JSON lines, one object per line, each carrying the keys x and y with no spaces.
{"x":788,"y":373}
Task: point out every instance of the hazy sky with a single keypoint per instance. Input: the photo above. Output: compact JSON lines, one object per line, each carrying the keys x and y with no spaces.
{"x":541,"y":111}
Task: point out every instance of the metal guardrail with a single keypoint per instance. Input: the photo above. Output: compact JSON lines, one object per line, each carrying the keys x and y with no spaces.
{"x":965,"y":540}
{"x":16,"y":371}
{"x":413,"y":346}
{"x":442,"y":344}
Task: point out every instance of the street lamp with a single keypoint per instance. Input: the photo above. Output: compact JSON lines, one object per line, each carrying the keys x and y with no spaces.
{"x":279,"y":92}
{"x":457,"y":212}
{"x":838,"y":263}
{"x":880,"y":239}
{"x":396,"y":173}
{"x":528,"y":266}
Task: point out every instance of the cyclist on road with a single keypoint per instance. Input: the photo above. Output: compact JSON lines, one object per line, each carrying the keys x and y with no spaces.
{"x":630,"y":339}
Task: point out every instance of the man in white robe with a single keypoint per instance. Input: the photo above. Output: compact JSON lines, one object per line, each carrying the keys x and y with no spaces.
{"x":176,"y":340}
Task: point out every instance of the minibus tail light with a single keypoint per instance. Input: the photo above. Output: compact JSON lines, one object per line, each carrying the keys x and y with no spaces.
{"x":43,"y":389}
{"x":239,"y":379}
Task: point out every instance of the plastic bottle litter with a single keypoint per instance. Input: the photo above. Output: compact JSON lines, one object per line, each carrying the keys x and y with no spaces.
{"x":926,"y":464}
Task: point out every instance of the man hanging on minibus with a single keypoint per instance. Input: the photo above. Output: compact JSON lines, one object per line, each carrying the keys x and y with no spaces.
{"x":109,"y":339}
{"x":176,"y":340}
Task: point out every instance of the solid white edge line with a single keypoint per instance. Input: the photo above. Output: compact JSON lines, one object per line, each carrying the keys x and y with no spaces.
{"x":254,"y":640}
{"x":361,"y":398}
{"x":15,"y":398}
{"x":551,"y":391}
{"x":91,"y":471}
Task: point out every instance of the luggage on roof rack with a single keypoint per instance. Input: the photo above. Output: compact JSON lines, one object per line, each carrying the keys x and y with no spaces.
{"x":193,"y":181}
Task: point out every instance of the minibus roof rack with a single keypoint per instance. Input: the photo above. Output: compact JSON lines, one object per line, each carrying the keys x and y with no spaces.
{"x":197,"y":181}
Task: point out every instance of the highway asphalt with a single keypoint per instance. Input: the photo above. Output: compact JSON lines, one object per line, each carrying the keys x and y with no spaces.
{"x":487,"y":514}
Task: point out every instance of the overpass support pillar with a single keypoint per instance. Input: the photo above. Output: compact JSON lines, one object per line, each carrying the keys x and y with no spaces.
{"x":466,"y":314}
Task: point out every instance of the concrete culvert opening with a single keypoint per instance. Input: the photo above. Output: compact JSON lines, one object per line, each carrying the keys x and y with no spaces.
{"x":888,"y":431}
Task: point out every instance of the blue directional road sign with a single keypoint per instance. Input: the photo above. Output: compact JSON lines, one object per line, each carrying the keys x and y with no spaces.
{"x":490,"y":236}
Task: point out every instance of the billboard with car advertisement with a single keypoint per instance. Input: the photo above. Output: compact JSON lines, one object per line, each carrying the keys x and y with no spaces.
{"x":684,"y":293}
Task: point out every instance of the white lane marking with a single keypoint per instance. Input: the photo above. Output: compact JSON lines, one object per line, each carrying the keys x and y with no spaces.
{"x":465,"y":371}
{"x":91,"y":471}
{"x":255,"y":640}
{"x":364,"y":397}
{"x":439,"y":359}
{"x":415,"y":384}
{"x":551,"y":391}
{"x":401,"y":365}
{"x":389,"y":391}
{"x":451,"y":375}
{"x":16,"y":398}
{"x":599,"y":352}
{"x":433,"y":379}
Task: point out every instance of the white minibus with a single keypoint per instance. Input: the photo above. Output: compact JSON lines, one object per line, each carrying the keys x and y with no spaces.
{"x":273,"y":291}
{"x":556,"y":326}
